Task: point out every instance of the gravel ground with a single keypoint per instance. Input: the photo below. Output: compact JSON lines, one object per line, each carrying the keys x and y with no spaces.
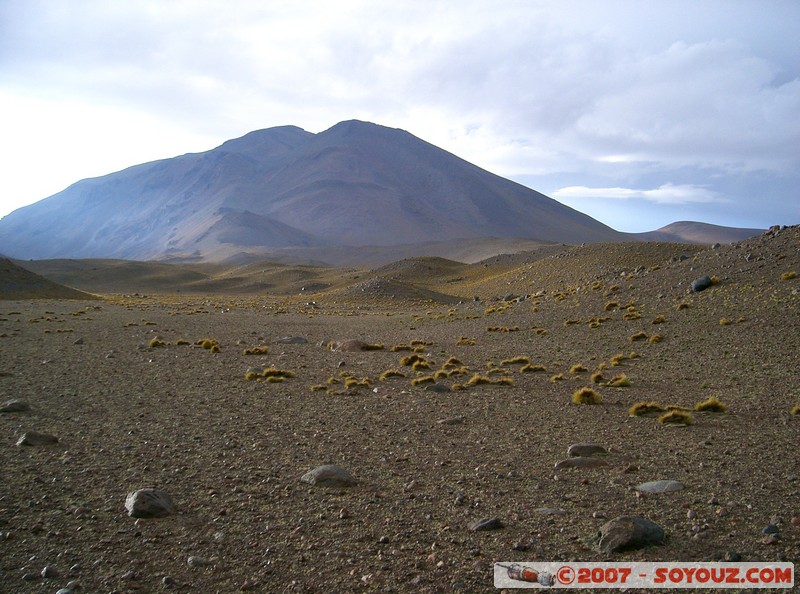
{"x":231,"y":451}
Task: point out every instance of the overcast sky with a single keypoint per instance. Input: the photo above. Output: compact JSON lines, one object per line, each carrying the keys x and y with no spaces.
{"x":639,"y":113}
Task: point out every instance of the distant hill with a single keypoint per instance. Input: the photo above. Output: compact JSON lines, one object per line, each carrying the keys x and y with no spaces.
{"x":18,"y":283}
{"x":698,"y":233}
{"x":356,"y":184}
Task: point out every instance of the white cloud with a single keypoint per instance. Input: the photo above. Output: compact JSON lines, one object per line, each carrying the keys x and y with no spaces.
{"x":665,"y":194}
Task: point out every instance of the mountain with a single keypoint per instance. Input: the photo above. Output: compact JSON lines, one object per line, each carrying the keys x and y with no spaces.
{"x":356,"y":184}
{"x":698,"y":233}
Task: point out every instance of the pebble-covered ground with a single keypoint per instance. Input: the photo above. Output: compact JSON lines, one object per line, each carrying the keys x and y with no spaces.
{"x":136,"y":401}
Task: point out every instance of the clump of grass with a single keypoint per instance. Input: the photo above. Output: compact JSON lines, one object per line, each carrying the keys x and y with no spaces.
{"x":571,"y":322}
{"x":252,"y":376}
{"x":620,"y":381}
{"x":425,"y":379}
{"x":274,"y":379}
{"x":354,"y":382}
{"x":333,"y":381}
{"x":421,"y":343}
{"x":788,"y":275}
{"x":182,"y":342}
{"x":452,"y":363}
{"x":577,"y":368}
{"x":594,"y":324}
{"x":457,"y":387}
{"x":539,"y":331}
{"x":410,"y":360}
{"x":417,"y":365}
{"x":401,"y":347}
{"x":502,"y":329}
{"x":208,"y":343}
{"x":725,"y":322}
{"x":795,"y":410}
{"x":637,"y":336}
{"x":631,"y":315}
{"x":156,"y":343}
{"x":390,"y":373}
{"x":215,"y":348}
{"x":465,"y":341}
{"x":258,"y":350}
{"x":676,"y":417}
{"x":711,"y":405}
{"x":598,"y":377}
{"x":521,"y":360}
{"x":642,"y":409}
{"x":682,"y":305}
{"x":655,"y":338}
{"x":633,"y":355}
{"x":533,"y":368}
{"x":275,"y":372}
{"x":617,"y":359}
{"x":559,"y":377}
{"x":459,"y":371}
{"x":319,"y":388}
{"x":586,"y":396}
{"x":659,"y":320}
{"x":478,"y":379}
{"x":496,"y":371}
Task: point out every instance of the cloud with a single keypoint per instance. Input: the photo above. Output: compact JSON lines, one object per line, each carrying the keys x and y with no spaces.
{"x":667,"y":194}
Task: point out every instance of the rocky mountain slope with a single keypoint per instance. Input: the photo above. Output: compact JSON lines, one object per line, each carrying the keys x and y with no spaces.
{"x":355,"y":184}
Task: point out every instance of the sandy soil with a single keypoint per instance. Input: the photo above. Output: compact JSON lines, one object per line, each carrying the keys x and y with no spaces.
{"x":231,"y":451}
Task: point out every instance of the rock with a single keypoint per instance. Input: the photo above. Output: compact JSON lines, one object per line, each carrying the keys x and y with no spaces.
{"x":581,"y":463}
{"x":291,"y":340}
{"x":329,"y":475}
{"x":628,"y":532}
{"x":733,"y":557}
{"x":486,"y":524}
{"x":771,"y":529}
{"x":585,"y":450}
{"x":660,"y":487}
{"x":12,"y":406}
{"x":149,"y":503}
{"x":49,"y":571}
{"x":194,"y":561}
{"x":33,"y":438}
{"x":348,"y":346}
{"x":701,"y":284}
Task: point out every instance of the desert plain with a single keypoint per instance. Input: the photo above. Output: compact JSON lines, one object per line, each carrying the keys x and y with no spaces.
{"x":136,"y":400}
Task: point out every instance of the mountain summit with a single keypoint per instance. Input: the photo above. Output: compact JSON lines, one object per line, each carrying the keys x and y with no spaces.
{"x":355,"y":184}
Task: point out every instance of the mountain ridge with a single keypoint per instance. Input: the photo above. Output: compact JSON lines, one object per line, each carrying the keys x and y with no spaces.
{"x":356,"y":185}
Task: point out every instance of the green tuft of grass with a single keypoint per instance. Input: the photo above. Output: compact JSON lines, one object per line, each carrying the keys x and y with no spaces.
{"x":795,"y":410}
{"x":390,"y":373}
{"x":559,"y":377}
{"x":425,"y":379}
{"x":259,"y":350}
{"x":598,"y":377}
{"x":533,"y":368}
{"x":156,"y":343}
{"x":521,"y":360}
{"x":637,"y":336}
{"x":676,"y":417}
{"x":620,"y":381}
{"x":586,"y":396}
{"x":410,"y":360}
{"x":711,"y":405}
{"x":788,"y":275}
{"x":643,"y":409}
{"x":577,"y":368}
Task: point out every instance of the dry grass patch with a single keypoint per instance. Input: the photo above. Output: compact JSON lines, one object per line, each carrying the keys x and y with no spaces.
{"x":259,"y":350}
{"x":533,"y":368}
{"x":788,"y":275}
{"x":711,"y":405}
{"x":638,"y":336}
{"x":795,"y":410}
{"x":577,"y":368}
{"x":644,"y":409}
{"x":390,"y":373}
{"x":620,"y":381}
{"x":559,"y":377}
{"x":478,"y":379}
{"x":465,"y":341}
{"x":521,"y":360}
{"x":676,"y":417}
{"x":586,"y":396}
